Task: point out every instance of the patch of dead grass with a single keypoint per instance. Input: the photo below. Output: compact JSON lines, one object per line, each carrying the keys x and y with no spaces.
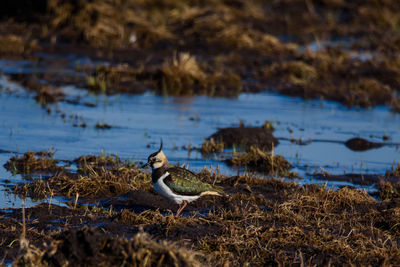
{"x":31,"y":162}
{"x":262,"y":161}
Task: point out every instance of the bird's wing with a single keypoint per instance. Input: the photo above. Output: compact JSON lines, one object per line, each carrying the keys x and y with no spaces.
{"x":184,"y":182}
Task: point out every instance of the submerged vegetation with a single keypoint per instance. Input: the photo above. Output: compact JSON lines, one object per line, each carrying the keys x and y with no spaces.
{"x":267,"y":221}
{"x":339,"y":50}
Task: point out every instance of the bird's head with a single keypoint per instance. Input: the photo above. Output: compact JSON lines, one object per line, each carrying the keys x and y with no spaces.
{"x":157,"y":159}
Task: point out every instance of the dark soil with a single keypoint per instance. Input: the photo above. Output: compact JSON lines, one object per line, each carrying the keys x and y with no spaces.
{"x":361,"y":144}
{"x":245,"y":137}
{"x":357,"y":179}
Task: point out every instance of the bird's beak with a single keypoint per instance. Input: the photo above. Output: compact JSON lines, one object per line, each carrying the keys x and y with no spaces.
{"x":145,"y":165}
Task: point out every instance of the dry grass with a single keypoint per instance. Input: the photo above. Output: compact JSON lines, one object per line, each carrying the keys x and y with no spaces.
{"x":331,"y":75}
{"x":261,"y":222}
{"x":98,"y":176}
{"x":11,"y":45}
{"x":210,"y":146}
{"x":140,"y":250}
{"x":120,"y":78}
{"x":95,"y":183}
{"x":271,"y":222}
{"x":32,"y":162}
{"x":262,"y":161}
{"x":388,"y":190}
{"x":183,"y":75}
{"x":221,"y":48}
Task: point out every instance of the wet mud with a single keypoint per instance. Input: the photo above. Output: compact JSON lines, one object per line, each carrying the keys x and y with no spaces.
{"x":361,"y":144}
{"x":245,"y":137}
{"x":358,"y":179}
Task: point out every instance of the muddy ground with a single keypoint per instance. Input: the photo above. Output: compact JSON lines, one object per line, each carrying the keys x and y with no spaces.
{"x":113,"y":216}
{"x":339,"y":50}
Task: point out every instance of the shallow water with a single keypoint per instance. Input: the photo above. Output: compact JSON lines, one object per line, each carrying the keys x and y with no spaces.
{"x":141,"y":120}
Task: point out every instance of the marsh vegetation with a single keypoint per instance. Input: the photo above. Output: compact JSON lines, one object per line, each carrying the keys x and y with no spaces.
{"x":345,"y":51}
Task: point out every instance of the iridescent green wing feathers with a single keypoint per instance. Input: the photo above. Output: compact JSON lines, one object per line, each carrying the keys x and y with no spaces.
{"x":184,"y":182}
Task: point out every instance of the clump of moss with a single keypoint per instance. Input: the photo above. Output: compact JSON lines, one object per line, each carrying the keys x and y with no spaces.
{"x":210,"y":146}
{"x":261,"y":161}
{"x":31,"y":162}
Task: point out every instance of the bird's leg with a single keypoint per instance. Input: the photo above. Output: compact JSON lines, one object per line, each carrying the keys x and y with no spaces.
{"x":181,"y":208}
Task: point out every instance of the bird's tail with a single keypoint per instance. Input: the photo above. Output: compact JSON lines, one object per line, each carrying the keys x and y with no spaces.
{"x":211,"y":193}
{"x":215,"y":191}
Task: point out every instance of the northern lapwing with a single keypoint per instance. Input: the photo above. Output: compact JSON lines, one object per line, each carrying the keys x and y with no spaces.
{"x":177,"y":184}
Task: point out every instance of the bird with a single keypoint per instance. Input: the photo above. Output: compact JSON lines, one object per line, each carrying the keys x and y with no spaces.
{"x":176,"y":184}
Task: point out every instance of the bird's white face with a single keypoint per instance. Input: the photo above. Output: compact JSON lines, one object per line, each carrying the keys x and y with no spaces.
{"x":157,"y":160}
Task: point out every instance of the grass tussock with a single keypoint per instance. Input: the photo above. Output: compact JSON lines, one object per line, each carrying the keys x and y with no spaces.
{"x":97,"y":176}
{"x":113,"y":79}
{"x":31,"y":162}
{"x":388,"y":190}
{"x":183,"y":75}
{"x":179,"y":74}
{"x":334,"y":75}
{"x":261,"y":161}
{"x":95,"y":183}
{"x":86,"y":246}
{"x":210,"y":146}
{"x":13,"y":45}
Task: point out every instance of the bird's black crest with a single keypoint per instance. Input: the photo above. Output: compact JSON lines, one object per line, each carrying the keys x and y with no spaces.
{"x":155,"y":153}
